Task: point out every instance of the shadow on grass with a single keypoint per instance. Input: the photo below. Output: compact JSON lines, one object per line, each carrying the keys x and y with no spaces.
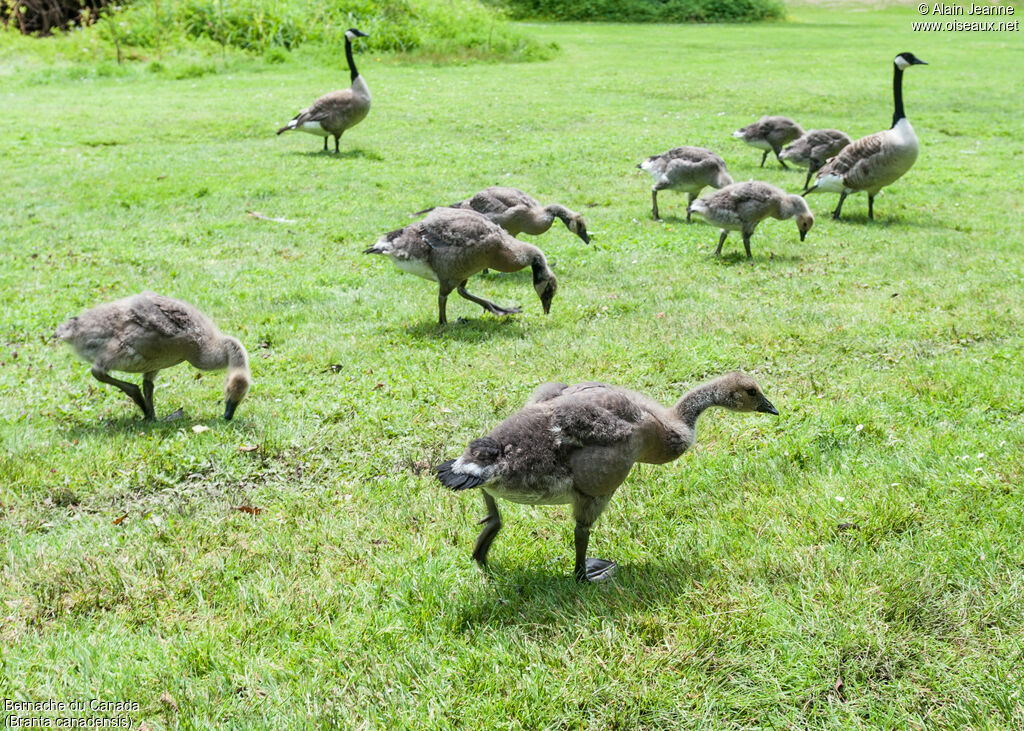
{"x":134,"y":424}
{"x":476,"y":328}
{"x":525,"y":596}
{"x":352,"y":154}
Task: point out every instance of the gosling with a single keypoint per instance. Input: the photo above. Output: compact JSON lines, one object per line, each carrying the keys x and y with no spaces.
{"x":741,"y":206}
{"x":574,"y":445}
{"x":148,"y":332}
{"x":815,"y":148}
{"x":518,"y":212}
{"x":450,"y":245}
{"x":686,"y":169}
{"x":770,"y":134}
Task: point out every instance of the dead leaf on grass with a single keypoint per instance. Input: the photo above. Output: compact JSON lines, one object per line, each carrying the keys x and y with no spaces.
{"x":249,"y":509}
{"x":200,"y":428}
{"x":117,"y":521}
{"x":248,"y":448}
{"x":168,"y":700}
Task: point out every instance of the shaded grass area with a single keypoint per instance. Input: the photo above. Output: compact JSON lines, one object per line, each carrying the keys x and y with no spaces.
{"x":744,"y":600}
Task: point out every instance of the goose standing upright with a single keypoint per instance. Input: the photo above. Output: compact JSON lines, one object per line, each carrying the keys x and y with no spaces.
{"x":741,"y":206}
{"x":770,"y":134}
{"x":148,"y":332}
{"x":576,"y":444}
{"x":518,"y":212}
{"x":878,"y":160}
{"x":335,"y":112}
{"x":686,"y":169}
{"x":815,"y":148}
{"x":450,"y":245}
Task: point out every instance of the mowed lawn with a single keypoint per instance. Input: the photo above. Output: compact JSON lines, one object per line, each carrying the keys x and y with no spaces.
{"x":892,"y":349}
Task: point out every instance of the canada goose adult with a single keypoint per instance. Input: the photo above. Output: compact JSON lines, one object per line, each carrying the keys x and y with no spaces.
{"x":770,"y":134}
{"x":334,"y":113}
{"x":875,"y":161}
{"x":576,"y":444}
{"x":148,"y":332}
{"x":518,"y":212}
{"x":741,"y":206}
{"x":450,"y":245}
{"x":815,"y":148}
{"x":686,"y":169}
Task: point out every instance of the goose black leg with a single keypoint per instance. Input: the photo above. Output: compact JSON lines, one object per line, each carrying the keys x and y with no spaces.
{"x":491,"y":524}
{"x":764,"y":157}
{"x":589,"y":570}
{"x":130,"y":389}
{"x":325,"y":143}
{"x":337,"y":139}
{"x":871,"y":207}
{"x":835,"y":213}
{"x":721,"y":240}
{"x":491,"y":307}
{"x":654,"y":203}
{"x":147,"y":392}
{"x":810,"y":171}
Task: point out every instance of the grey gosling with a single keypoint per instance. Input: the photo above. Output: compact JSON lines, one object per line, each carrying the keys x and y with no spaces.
{"x":875,"y":161}
{"x":450,"y":245}
{"x":741,"y":206}
{"x":686,"y":169}
{"x":148,"y":332}
{"x":518,"y":212}
{"x":576,"y":444}
{"x":770,"y":134}
{"x":815,"y":148}
{"x":335,"y":112}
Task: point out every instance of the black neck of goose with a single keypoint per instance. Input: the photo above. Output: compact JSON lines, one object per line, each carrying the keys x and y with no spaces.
{"x":351,"y":61}
{"x":897,"y":94}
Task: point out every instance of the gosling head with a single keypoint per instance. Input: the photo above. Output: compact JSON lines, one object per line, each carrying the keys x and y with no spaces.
{"x":797,"y":207}
{"x":906,"y":60}
{"x":740,"y":392}
{"x":353,"y":33}
{"x":578,"y":226}
{"x":235,"y":389}
{"x":545,"y":284}
{"x":803,"y":224}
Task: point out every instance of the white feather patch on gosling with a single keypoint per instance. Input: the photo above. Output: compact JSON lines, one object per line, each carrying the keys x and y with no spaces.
{"x":415,"y":266}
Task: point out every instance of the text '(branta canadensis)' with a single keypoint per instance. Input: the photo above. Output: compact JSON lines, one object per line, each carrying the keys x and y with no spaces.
{"x":815,"y":148}
{"x":334,"y":113}
{"x":450,"y":245}
{"x":770,"y":134}
{"x":576,"y":444}
{"x":878,"y":160}
{"x":518,"y":212}
{"x":741,"y":206}
{"x":686,"y":169}
{"x":148,"y":332}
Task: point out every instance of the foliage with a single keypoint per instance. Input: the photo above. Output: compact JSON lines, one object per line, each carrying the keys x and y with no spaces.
{"x":647,"y":11}
{"x":745,"y":599}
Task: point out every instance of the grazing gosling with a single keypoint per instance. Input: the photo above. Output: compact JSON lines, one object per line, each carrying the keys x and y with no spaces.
{"x":878,"y":160}
{"x":741,"y":206}
{"x":335,"y":112}
{"x":518,"y":212}
{"x":686,"y":169}
{"x":815,"y":148}
{"x":770,"y":134}
{"x":148,"y":332}
{"x":450,"y":245}
{"x":576,"y":444}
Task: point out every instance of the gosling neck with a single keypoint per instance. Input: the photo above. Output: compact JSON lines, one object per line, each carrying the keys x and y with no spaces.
{"x":696,"y":402}
{"x":226,"y":352}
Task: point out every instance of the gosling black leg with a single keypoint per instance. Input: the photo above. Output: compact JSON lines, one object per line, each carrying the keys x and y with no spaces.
{"x":147,"y":391}
{"x":746,"y":244}
{"x":871,"y":207}
{"x":654,"y":203}
{"x":442,"y":307}
{"x":810,"y":171}
{"x":589,"y":570}
{"x":492,"y":524}
{"x":130,"y":389}
{"x":689,"y":202}
{"x":491,"y":307}
{"x":777,"y":150}
{"x":835,"y":213}
{"x":764,"y":157}
{"x":721,"y":240}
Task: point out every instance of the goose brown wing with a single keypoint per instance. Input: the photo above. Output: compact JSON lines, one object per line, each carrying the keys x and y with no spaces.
{"x":328,"y":107}
{"x":856,"y":161}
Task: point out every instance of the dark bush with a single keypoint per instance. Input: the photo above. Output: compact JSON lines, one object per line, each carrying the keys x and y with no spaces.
{"x":42,"y":17}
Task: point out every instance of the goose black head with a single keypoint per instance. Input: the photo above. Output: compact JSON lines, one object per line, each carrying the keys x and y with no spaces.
{"x":355,"y":33}
{"x":907,"y":59}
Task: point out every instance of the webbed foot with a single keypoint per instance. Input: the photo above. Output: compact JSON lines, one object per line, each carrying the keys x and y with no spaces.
{"x":598,"y":570}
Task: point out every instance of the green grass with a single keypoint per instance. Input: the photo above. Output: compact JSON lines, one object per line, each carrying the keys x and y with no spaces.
{"x":893,"y":350}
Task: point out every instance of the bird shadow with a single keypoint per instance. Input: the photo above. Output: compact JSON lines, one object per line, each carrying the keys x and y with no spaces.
{"x":534,"y":597}
{"x":131,"y":424}
{"x":480,"y":327}
{"x":735,"y":258}
{"x":351,"y":154}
